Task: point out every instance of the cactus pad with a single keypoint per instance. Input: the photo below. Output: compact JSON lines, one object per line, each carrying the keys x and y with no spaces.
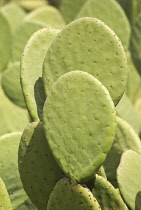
{"x":79,"y":115}
{"x":9,"y":173}
{"x":5,"y":203}
{"x":107,"y":196}
{"x":22,"y":34}
{"x":68,"y":195}
{"x":11,"y":84}
{"x":39,"y":171}
{"x":49,"y":15}
{"x":31,"y":72}
{"x":129,"y":179}
{"x":5,"y":42}
{"x":136,"y":43}
{"x":102,"y":10}
{"x":125,"y":138}
{"x":92,"y":47}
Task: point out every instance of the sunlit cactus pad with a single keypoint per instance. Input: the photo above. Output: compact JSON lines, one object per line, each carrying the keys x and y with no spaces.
{"x":129,"y":179}
{"x":79,"y":122}
{"x":31,"y":72}
{"x":87,"y":44}
{"x":102,"y":10}
{"x":39,"y":171}
{"x":68,"y":195}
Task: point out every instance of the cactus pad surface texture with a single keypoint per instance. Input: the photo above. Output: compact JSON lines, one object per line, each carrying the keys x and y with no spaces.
{"x":101,"y":55}
{"x":79,"y":123}
{"x":102,"y":10}
{"x":129,"y":179}
{"x":68,"y":195}
{"x":31,"y":72}
{"x":107,"y":196}
{"x":5,"y":203}
{"x":125,"y":138}
{"x":39,"y":171}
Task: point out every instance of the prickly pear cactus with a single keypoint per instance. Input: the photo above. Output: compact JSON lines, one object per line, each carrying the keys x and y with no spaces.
{"x":31,"y":72}
{"x":129,"y":179}
{"x":5,"y":203}
{"x":14,"y":15}
{"x":68,"y":195}
{"x":5,"y":41}
{"x":125,"y":138}
{"x":22,"y":34}
{"x":126,"y":111}
{"x":11,"y":84}
{"x":76,"y":110}
{"x":102,"y":10}
{"x":39,"y":171}
{"x":136,"y":43}
{"x":107,"y":196}
{"x":94,"y":38}
{"x":49,"y":15}
{"x":9,"y":173}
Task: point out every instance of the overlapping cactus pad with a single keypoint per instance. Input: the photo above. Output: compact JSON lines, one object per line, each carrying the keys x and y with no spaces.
{"x":129,"y":179}
{"x":71,"y":96}
{"x":79,"y":122}
{"x":68,"y":195}
{"x":5,"y":203}
{"x":39,"y":171}
{"x":87,"y":44}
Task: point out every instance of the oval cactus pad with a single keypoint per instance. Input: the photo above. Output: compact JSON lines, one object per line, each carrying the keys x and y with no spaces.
{"x":39,"y":171}
{"x":129,"y":179}
{"x":89,"y":45}
{"x":68,"y":195}
{"x":79,"y":122}
{"x":102,"y":10}
{"x":31,"y":72}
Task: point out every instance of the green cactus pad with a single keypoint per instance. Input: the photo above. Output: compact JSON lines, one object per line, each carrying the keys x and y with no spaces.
{"x":31,"y":72}
{"x":49,"y":15}
{"x":137,"y":107}
{"x":5,"y":41}
{"x":102,"y":10}
{"x":136,"y":43}
{"x":11,"y":84}
{"x":107,"y":196}
{"x":134,"y":80}
{"x":129,"y":179}
{"x":14,"y":15}
{"x":39,"y":171}
{"x":9,"y":144}
{"x":68,"y":195}
{"x":13,"y":117}
{"x":125,"y":138}
{"x":89,"y":45}
{"x":29,"y":5}
{"x":126,"y":111}
{"x":69,"y":9}
{"x":101,"y":172}
{"x":5,"y":203}
{"x":23,"y":33}
{"x":79,"y":123}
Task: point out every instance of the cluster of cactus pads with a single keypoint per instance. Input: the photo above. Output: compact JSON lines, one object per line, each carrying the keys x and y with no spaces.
{"x":70,"y":105}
